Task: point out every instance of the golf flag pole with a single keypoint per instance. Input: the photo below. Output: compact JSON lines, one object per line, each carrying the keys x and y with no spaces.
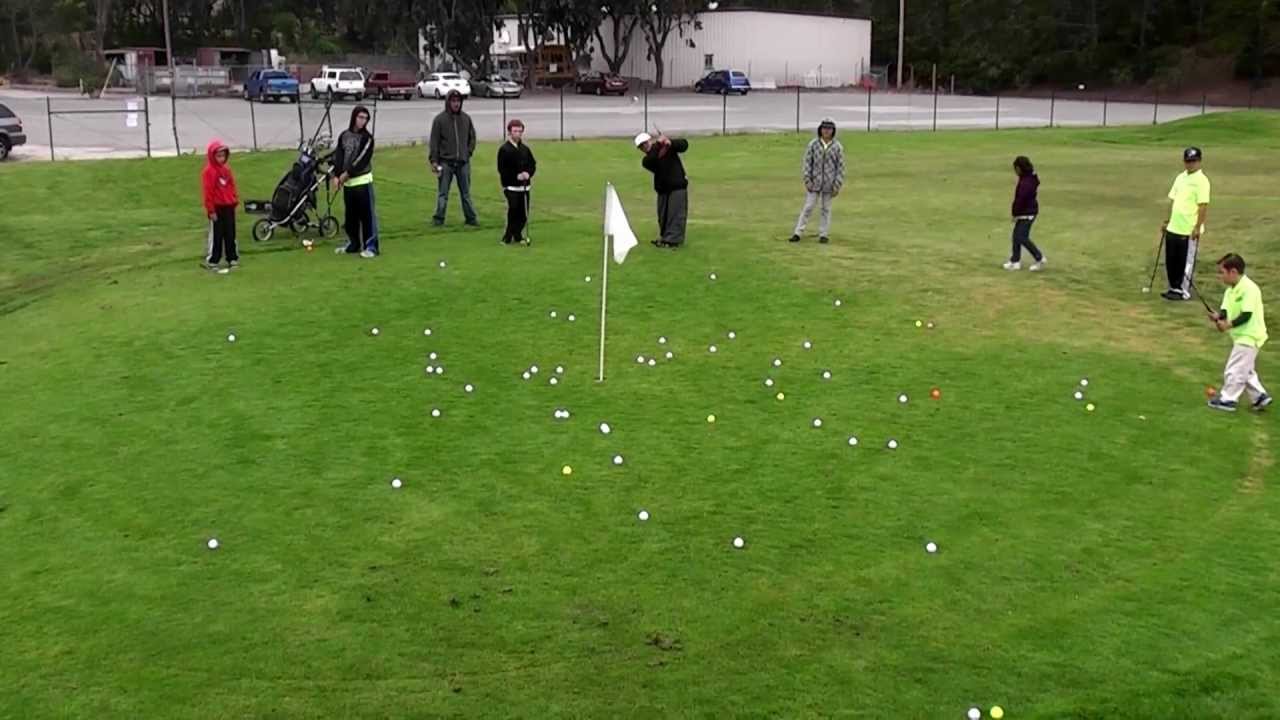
{"x":617,"y":229}
{"x":604,"y":277}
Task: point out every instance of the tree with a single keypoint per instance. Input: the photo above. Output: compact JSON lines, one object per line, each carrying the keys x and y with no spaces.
{"x":622,"y":17}
{"x":663,"y":18}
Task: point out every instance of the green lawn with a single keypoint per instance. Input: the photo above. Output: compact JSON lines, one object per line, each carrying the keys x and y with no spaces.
{"x":1113,"y":564}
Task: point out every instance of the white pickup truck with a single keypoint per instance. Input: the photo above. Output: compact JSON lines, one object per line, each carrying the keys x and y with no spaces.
{"x":338,"y":82}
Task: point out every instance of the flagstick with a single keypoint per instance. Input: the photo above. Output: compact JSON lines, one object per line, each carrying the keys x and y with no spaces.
{"x":604,"y":289}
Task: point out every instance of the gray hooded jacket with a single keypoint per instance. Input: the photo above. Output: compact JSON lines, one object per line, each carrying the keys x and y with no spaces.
{"x":823,"y":167}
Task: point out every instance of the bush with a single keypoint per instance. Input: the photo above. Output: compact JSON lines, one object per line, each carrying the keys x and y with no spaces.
{"x":71,"y":67}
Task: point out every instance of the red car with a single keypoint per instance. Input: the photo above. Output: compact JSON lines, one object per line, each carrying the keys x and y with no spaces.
{"x":602,"y":84}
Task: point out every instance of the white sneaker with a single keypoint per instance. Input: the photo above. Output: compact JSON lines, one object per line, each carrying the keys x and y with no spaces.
{"x":1038,"y":265}
{"x":1012,"y":266}
{"x":366,"y":254}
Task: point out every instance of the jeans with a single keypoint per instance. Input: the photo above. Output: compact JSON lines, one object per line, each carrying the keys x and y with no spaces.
{"x":823,"y":201}
{"x":449,"y":170}
{"x":1021,"y":239}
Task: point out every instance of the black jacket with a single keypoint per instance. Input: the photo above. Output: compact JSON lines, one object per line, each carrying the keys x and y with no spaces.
{"x":513,"y":160}
{"x":1024,"y":196}
{"x":668,"y":171}
{"x":353,"y":154}
{"x":453,"y":137}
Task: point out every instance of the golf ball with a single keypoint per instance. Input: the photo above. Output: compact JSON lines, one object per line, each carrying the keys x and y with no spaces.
{"x":768,"y":382}
{"x":442,"y":263}
{"x":997,"y":712}
{"x":739,"y":542}
{"x":213,"y":543}
{"x":712,"y":276}
{"x":427,"y":332}
{"x":564,"y":414}
{"x":733,"y":335}
{"x":902,"y":398}
{"x":930,"y":547}
{"x":1089,"y":407}
{"x":1084,"y":382}
{"x":553,"y":381}
{"x":395,"y":483}
{"x":711,"y":349}
{"x":231,"y":337}
{"x":711,"y":418}
{"x":670,"y":355}
{"x":439,"y":369}
{"x":807,"y":345}
{"x":1146,"y":290}
{"x":892,"y":444}
{"x":224,"y":271}
{"x":533,"y":369}
{"x":781,"y":396}
{"x":839,"y":302}
{"x":572,"y":317}
{"x":525,"y":375}
{"x":777,"y":362}
{"x":662,"y":340}
{"x":566,"y":470}
{"x":559,"y":369}
{"x":553,"y":314}
{"x":468,"y":387}
{"x":817,"y":422}
{"x":929,"y":324}
{"x":1078,"y":395}
{"x":640,"y":359}
{"x":919,"y":323}
{"x":605,"y":429}
{"x":617,"y":459}
{"x":435,"y":412}
{"x":643,"y":514}
{"x":431,"y":369}
{"x":432,"y":356}
{"x":853,"y":441}
{"x":374,"y":331}
{"x":586,"y":279}
{"x":935,"y":393}
{"x":826,"y":374}
{"x":652,"y":362}
{"x":975,"y":714}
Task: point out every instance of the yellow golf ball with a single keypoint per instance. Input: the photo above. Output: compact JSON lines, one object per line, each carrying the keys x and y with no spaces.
{"x":566,"y":470}
{"x":919,"y":323}
{"x":997,"y":712}
{"x":711,"y":418}
{"x":781,"y":396}
{"x":1089,"y":407}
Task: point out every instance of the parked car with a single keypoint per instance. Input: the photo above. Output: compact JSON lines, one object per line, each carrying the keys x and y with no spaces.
{"x":11,"y":132}
{"x":384,"y":84}
{"x":602,"y":84}
{"x":274,"y":84}
{"x":338,"y":82}
{"x":495,"y":86}
{"x":724,"y":82}
{"x":437,"y":85}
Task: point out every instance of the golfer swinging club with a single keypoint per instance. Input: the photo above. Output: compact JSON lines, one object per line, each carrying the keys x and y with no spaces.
{"x":1187,"y":213}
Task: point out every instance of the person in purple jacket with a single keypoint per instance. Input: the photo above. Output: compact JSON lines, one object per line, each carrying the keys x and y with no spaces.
{"x":1025,"y":209}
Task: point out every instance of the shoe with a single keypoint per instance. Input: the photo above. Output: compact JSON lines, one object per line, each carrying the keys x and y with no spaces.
{"x":657,"y":242}
{"x":527,"y":241}
{"x":437,"y":222}
{"x":1172,"y":295}
{"x":1012,"y":265}
{"x":472,"y":223}
{"x":1262,"y":403}
{"x":368,"y":254}
{"x":795,"y":238}
{"x":823,"y":239}
{"x":211,"y":267}
{"x":506,"y":240}
{"x":1223,"y":405}
{"x":233,"y":264}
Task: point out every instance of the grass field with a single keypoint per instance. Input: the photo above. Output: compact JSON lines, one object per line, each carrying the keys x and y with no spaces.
{"x":1113,"y":564}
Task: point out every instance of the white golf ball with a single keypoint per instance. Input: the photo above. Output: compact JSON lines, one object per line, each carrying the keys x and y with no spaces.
{"x":586,"y":279}
{"x":975,"y":713}
{"x":468,"y":387}
{"x":553,"y":381}
{"x":213,"y":543}
{"x":670,"y":354}
{"x":572,"y":317}
{"x":1078,"y":395}
{"x":432,"y":356}
{"x":427,"y":332}
{"x":617,"y":459}
{"x":439,"y":369}
{"x":892,"y":444}
{"x":662,"y":340}
{"x":711,"y":349}
{"x":435,"y":412}
{"x":768,"y":382}
{"x":1084,"y":382}
{"x":931,"y":547}
{"x":605,"y":429}
{"x":559,"y":369}
{"x":442,"y":263}
{"x":431,"y":369}
{"x":231,"y":337}
{"x":1146,"y":289}
{"x":902,"y":398}
{"x":853,"y":441}
{"x":807,"y":345}
{"x":817,"y":422}
{"x":652,"y":362}
{"x":839,"y":302}
{"x":553,"y":313}
{"x":777,"y":362}
{"x":533,"y":369}
{"x":1078,"y":87}
{"x":526,"y":375}
{"x":739,"y":542}
{"x":640,"y":359}
{"x":712,"y":276}
{"x":643,"y":514}
{"x":826,"y":374}
{"x":733,"y":335}
{"x":929,"y":324}
{"x":564,"y":414}
{"x":395,"y":483}
{"x":374,"y":331}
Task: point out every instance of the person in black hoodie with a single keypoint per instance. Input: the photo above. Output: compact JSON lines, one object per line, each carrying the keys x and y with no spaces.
{"x":353,"y":172}
{"x":449,"y":151}
{"x":516,"y":167}
{"x":1025,"y":209}
{"x":662,"y":158}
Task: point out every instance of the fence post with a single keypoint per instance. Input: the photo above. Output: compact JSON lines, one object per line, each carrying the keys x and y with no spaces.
{"x":1250,"y":95}
{"x":868,"y":109}
{"x":1204,"y":103}
{"x":146,"y":116}
{"x":301,"y":136}
{"x":1053,"y":105}
{"x":935,"y":97}
{"x":953,"y":84}
{"x":724,"y":113}
{"x":645,"y":88}
{"x":1155,"y":114}
{"x":373,"y":121}
{"x":253,"y":122}
{"x":562,"y":113}
{"x":797,"y":108}
{"x":997,"y":111}
{"x":1105,"y":99}
{"x":48,"y":114}
{"x":504,"y":115}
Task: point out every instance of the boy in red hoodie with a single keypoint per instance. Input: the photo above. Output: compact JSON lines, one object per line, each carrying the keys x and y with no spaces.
{"x":220,"y":200}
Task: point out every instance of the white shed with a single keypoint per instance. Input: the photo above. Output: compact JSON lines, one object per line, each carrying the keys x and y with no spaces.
{"x":773,"y":48}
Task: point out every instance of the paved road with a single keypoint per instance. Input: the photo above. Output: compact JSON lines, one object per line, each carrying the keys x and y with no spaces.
{"x":110,"y":134}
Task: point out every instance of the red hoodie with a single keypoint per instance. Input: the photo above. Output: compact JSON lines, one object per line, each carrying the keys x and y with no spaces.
{"x":219,"y":184}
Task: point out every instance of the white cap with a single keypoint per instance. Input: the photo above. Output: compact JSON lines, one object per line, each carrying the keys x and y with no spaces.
{"x":643,"y":138}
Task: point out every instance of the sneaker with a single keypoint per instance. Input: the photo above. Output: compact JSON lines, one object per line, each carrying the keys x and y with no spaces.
{"x":1038,"y":265}
{"x":437,"y":222}
{"x":1223,"y":405}
{"x":1262,"y":403}
{"x":233,"y":264}
{"x":1012,"y":265}
{"x":472,"y":223}
{"x":211,"y":267}
{"x":368,"y":254}
{"x":795,"y":238}
{"x":1173,"y":295}
{"x":823,"y":239}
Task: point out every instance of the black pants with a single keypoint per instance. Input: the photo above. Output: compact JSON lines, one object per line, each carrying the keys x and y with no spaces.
{"x":1021,"y":239}
{"x":362,"y":218}
{"x":1179,"y":261}
{"x":517,"y":214}
{"x":673,"y":214}
{"x":222,"y":236}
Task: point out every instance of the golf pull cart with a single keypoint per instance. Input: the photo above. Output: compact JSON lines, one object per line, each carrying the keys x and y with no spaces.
{"x":294,"y":204}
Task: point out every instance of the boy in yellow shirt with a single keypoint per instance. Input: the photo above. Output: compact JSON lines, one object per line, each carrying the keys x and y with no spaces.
{"x":1188,"y":210}
{"x":1241,"y":316}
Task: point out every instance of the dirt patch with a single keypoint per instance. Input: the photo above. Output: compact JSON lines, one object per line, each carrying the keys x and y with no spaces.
{"x":1260,"y":463}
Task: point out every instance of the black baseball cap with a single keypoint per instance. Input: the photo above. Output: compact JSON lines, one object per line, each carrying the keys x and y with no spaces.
{"x":1192,"y":154}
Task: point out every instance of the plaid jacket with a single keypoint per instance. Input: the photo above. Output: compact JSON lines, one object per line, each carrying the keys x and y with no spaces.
{"x":823,"y":168}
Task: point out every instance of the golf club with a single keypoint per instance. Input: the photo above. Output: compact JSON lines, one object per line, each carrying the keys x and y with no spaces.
{"x":1156,"y":265}
{"x":528,"y":238}
{"x":1200,"y":296}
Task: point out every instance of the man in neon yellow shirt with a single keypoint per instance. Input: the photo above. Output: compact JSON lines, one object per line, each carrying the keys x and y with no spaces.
{"x":1187,"y":213}
{"x":1241,"y":316}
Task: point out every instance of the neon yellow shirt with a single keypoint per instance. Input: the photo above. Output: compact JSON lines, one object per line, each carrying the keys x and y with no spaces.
{"x":1246,"y":297}
{"x":1189,"y":192}
{"x":359,"y":180}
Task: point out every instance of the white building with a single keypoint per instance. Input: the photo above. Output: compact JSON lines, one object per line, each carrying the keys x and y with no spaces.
{"x":773,"y":48}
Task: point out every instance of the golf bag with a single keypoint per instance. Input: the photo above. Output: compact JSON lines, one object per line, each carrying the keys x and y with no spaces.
{"x":295,"y":198}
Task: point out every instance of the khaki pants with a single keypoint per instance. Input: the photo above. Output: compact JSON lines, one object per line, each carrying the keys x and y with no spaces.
{"x":1240,"y":376}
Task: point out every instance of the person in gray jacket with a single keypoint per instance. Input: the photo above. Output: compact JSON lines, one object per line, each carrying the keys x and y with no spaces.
{"x":453,"y":140}
{"x":823,"y":173}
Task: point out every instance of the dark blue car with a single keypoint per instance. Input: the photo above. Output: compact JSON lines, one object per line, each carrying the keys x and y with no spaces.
{"x":724,"y":82}
{"x":274,"y":84}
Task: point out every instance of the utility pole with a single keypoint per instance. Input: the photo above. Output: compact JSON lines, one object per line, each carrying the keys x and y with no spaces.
{"x":902,"y":22}
{"x":173,"y":77}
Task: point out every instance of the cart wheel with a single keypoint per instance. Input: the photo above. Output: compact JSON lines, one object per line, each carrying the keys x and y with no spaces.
{"x":329,"y":226}
{"x":262,"y":230}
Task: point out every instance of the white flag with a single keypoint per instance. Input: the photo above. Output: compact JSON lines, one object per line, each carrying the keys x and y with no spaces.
{"x":617,"y":227}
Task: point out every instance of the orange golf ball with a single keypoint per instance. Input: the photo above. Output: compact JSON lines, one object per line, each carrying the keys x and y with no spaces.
{"x":935,"y":393}
{"x":1210,"y":391}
